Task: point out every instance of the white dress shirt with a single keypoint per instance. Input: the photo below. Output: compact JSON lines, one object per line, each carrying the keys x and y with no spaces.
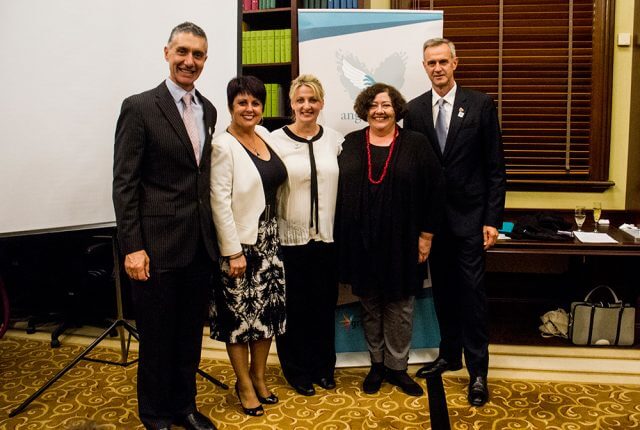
{"x":449,"y":98}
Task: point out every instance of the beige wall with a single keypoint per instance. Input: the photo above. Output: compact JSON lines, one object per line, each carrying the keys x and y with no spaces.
{"x":616,"y":197}
{"x":378,"y":4}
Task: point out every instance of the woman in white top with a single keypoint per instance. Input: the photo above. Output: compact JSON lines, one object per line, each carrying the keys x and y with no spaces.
{"x":306,"y":207}
{"x":248,"y":306}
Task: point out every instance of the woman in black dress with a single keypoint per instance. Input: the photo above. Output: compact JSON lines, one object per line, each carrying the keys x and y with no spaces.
{"x":389,"y":204}
{"x":248,"y":309}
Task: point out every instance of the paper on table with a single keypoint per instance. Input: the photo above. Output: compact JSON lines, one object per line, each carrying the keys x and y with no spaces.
{"x":502,"y":236}
{"x":587,"y":237}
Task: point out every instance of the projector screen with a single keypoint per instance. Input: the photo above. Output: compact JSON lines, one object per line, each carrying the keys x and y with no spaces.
{"x":67,"y":68}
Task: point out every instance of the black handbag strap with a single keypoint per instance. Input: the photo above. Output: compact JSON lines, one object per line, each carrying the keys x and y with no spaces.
{"x":619,"y":325}
{"x":591,"y":317}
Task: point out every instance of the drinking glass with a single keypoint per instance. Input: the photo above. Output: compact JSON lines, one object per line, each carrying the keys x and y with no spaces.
{"x":597,"y":211}
{"x":579,"y":215}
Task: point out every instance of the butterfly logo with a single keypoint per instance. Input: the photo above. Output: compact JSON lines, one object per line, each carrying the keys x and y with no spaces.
{"x":356,"y":76}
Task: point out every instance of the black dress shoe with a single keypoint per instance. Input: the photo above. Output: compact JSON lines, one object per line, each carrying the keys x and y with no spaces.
{"x":196,"y":421}
{"x":373,"y":380}
{"x":478,"y":391}
{"x":304,"y":388}
{"x":437,"y":367}
{"x":401,"y":379}
{"x":327,"y":383}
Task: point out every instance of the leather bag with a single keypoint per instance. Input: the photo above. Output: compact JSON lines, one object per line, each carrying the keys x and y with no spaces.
{"x":602,"y":323}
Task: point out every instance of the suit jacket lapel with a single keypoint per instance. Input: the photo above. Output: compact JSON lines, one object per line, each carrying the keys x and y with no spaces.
{"x":431,"y":131}
{"x":168,"y":107}
{"x":458,"y":115}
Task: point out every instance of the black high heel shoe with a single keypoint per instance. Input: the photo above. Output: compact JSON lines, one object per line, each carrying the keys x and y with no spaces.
{"x":272,"y":399}
{"x":258,"y":411}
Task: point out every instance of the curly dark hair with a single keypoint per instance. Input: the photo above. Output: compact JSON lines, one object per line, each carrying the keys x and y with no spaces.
{"x":366,"y":96}
{"x":246,"y":85}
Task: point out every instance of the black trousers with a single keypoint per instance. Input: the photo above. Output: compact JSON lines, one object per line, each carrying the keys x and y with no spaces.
{"x":171,"y":308}
{"x":460,"y":299}
{"x":307,"y":349}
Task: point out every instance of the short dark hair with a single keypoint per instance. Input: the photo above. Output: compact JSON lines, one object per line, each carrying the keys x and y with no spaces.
{"x":187,"y":27}
{"x":246,"y":85}
{"x":366,"y":96}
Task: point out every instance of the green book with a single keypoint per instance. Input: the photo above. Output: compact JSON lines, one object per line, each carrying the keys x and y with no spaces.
{"x":254,"y":47}
{"x":247,"y":40}
{"x":244,"y":47}
{"x":267,"y":106}
{"x":323,"y":4}
{"x":274,"y":99}
{"x":277,"y":55}
{"x":287,"y":45}
{"x":261,"y":47}
{"x":270,"y":37}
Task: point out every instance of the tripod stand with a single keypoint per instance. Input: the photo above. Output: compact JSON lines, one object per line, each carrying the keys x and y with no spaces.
{"x":120,"y":324}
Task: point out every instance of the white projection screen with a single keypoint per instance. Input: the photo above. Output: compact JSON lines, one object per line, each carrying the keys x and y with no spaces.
{"x":67,"y":66}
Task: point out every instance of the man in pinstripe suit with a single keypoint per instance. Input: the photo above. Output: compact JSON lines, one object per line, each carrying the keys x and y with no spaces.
{"x":161,"y":197}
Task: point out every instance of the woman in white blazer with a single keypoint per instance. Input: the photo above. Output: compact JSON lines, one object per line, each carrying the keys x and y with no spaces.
{"x":248,"y":309}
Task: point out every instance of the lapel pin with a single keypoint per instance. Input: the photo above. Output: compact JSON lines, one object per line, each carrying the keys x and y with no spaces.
{"x":460,"y":112}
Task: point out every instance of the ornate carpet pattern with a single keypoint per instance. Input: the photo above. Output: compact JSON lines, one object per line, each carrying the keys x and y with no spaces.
{"x":95,"y":396}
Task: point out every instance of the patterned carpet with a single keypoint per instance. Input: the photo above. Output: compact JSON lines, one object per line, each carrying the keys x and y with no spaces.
{"x":95,"y":396}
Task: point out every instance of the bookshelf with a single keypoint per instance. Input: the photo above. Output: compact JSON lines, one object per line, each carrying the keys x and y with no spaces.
{"x":272,"y":69}
{"x":269,"y":22}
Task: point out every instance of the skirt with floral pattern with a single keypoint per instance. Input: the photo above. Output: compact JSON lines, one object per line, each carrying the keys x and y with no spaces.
{"x":252,"y":307}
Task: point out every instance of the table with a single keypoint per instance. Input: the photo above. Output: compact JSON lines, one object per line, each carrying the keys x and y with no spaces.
{"x":626,"y":246}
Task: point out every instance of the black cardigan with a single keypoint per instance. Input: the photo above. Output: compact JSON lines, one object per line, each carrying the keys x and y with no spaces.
{"x":413,"y":196}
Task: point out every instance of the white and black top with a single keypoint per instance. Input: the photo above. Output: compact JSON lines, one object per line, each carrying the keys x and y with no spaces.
{"x":307,"y":201}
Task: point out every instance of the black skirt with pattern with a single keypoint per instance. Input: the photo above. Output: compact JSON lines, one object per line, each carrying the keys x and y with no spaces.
{"x":252,"y":307}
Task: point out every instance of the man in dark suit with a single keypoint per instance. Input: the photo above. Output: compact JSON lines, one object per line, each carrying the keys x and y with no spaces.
{"x":462,"y":125}
{"x":161,"y":177}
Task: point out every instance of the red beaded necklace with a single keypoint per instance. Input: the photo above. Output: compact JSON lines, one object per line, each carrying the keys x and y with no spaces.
{"x":386,"y":163}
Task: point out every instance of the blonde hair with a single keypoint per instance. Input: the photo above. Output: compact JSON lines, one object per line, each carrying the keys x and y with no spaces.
{"x":311,"y":82}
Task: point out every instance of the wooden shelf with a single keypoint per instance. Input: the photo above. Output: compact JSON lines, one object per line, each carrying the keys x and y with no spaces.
{"x":264,"y":65}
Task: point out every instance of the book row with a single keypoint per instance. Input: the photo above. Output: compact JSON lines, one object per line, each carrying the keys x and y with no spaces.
{"x":266,"y":46}
{"x":330,"y":4}
{"x":263,"y":4}
{"x":307,"y":4}
{"x":274,"y":106}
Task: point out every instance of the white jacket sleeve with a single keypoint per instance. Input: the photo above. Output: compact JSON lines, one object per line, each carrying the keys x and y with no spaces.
{"x":221,"y":189}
